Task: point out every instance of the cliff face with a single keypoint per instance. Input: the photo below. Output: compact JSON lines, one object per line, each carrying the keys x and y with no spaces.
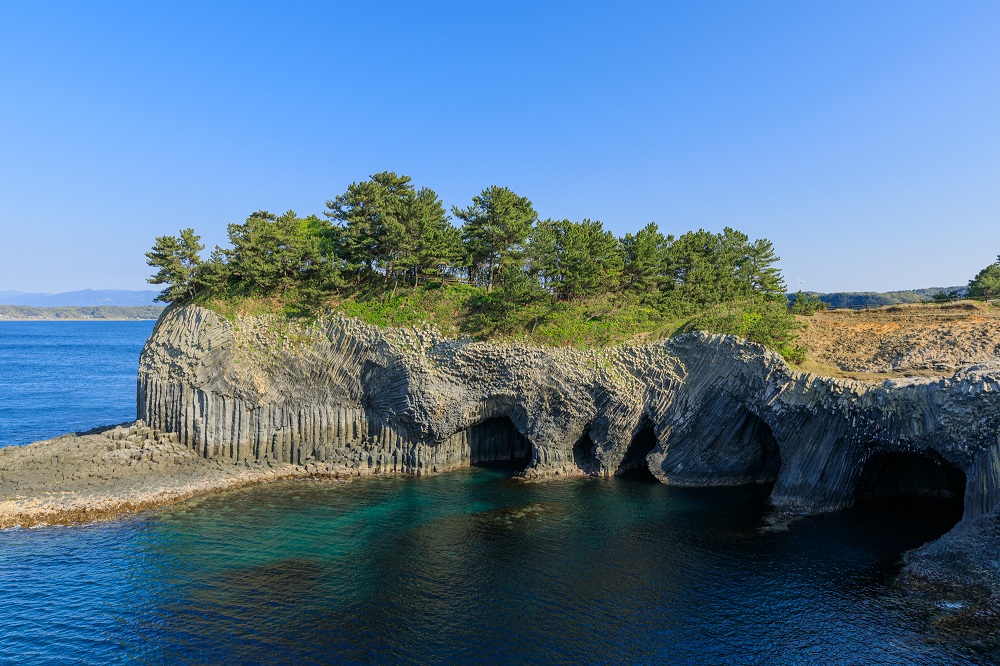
{"x":697,"y":410}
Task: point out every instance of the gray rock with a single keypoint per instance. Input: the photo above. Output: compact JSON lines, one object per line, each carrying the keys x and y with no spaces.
{"x":698,"y":410}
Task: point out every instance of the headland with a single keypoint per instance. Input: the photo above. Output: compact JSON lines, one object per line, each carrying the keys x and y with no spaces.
{"x":224,"y":403}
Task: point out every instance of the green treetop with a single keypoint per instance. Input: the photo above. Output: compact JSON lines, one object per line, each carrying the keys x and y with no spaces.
{"x":704,"y":269}
{"x":645,"y":259}
{"x":496,"y":226}
{"x":389,"y":226}
{"x":372,"y":214}
{"x":272,"y":255}
{"x":176,"y":260}
{"x":555,"y":279}
{"x":575,"y":259}
{"x":986,"y":284}
{"x":437,"y":244}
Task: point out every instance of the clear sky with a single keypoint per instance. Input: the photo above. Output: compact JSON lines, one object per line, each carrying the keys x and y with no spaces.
{"x":863,"y":138}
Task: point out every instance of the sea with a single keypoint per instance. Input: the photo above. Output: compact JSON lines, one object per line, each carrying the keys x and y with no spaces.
{"x":468,"y":567}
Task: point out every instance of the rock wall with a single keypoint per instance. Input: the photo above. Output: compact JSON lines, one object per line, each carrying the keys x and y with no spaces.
{"x":723,"y":411}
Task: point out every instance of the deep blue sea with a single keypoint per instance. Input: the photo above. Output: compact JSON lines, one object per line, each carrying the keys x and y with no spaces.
{"x":67,"y":376}
{"x":465,"y":567}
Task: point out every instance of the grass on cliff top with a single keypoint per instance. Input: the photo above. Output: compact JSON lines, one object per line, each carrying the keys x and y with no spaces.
{"x":458,"y":309}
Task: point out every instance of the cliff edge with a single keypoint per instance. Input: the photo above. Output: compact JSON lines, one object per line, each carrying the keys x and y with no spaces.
{"x":696,"y":410}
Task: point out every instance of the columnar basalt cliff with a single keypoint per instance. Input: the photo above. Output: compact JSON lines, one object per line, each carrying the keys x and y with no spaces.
{"x":698,"y":410}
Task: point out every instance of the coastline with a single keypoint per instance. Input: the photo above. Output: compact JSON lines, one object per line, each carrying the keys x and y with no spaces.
{"x":227,"y":404}
{"x":117,"y":471}
{"x":81,"y":313}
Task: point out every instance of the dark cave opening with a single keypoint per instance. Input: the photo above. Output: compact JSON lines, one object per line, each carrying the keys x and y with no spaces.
{"x":497,"y":443}
{"x":757,"y":439}
{"x":583,"y":452}
{"x":921,"y":486}
{"x":634,"y":465}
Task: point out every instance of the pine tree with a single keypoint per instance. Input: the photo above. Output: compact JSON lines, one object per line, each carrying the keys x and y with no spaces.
{"x":986,"y":284}
{"x":373,"y":215}
{"x":273,"y":255}
{"x":496,"y":226}
{"x":437,"y":243}
{"x":645,"y":260}
{"x":758,"y":272}
{"x":177,"y":261}
{"x":575,"y":259}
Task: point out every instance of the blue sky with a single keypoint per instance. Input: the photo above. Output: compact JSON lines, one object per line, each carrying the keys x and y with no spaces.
{"x":862,"y":138}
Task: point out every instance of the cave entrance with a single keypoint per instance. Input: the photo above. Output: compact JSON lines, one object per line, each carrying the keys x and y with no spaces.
{"x":760,"y":452}
{"x":634,"y":465}
{"x":583,"y":452}
{"x":922,"y":486}
{"x":498,"y":444}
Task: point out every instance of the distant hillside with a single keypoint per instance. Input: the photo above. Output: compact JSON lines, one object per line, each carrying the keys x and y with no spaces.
{"x":81,"y":312}
{"x":856,"y":299}
{"x":84,"y":297}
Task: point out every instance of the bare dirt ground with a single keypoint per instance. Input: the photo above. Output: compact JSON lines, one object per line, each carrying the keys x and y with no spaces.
{"x":914,"y":340}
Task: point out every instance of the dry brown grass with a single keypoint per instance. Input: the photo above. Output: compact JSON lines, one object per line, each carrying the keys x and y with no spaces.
{"x":913,"y":340}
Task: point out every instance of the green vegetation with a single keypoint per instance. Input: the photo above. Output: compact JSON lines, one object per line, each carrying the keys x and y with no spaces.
{"x":946,"y":296}
{"x":178,"y":264}
{"x":805,"y":304}
{"x":81,"y":312}
{"x":873,"y":299}
{"x":986,"y":284}
{"x":389,"y":254}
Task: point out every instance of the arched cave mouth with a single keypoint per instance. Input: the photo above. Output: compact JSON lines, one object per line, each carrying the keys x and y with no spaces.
{"x":584,"y":452}
{"x":634,"y":465}
{"x":497,"y":444}
{"x":912,"y":486}
{"x":764,"y":456}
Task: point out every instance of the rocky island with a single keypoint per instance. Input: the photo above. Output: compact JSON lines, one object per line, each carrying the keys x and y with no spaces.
{"x":553,"y":347}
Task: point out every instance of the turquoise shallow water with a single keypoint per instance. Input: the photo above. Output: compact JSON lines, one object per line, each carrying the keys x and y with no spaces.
{"x":466,"y":567}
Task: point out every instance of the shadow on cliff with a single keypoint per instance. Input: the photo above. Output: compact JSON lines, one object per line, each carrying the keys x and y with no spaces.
{"x":496,"y":443}
{"x":920,"y":485}
{"x":634,"y":465}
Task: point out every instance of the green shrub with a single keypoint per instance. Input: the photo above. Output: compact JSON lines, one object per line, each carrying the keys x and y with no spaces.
{"x":766,"y":322}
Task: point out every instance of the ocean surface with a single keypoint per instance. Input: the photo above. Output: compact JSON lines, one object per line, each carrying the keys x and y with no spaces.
{"x":67,"y":376}
{"x":465,"y":567}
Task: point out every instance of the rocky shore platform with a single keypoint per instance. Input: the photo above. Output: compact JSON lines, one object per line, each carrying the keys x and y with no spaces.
{"x":115,"y":471}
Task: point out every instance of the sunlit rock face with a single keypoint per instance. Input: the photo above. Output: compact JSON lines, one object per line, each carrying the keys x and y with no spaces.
{"x":698,"y":410}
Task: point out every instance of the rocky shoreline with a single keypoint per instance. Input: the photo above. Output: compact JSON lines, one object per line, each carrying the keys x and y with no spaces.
{"x":225,"y":403}
{"x":113,"y":472}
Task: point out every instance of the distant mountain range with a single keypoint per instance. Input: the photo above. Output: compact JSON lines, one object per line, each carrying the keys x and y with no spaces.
{"x":84,"y":297}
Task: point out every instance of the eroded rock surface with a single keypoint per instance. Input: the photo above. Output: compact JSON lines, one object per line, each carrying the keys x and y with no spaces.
{"x":698,"y":410}
{"x":348,"y":399}
{"x":108,"y":473}
{"x":715,"y":410}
